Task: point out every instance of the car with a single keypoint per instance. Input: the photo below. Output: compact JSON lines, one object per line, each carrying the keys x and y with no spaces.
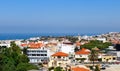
{"x":103,"y":67}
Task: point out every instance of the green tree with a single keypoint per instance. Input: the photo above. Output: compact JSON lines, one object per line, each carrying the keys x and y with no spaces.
{"x":72,"y":39}
{"x":25,"y":67}
{"x":96,"y":43}
{"x":23,"y":58}
{"x":97,"y":68}
{"x":25,"y":51}
{"x":11,"y":59}
{"x":7,"y":64}
{"x":58,"y":69}
{"x":15,"y":48}
{"x":93,"y":56}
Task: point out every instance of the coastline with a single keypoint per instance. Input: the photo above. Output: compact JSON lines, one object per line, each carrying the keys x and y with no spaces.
{"x":13,"y":36}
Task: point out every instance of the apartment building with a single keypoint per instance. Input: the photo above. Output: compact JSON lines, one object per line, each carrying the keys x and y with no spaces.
{"x":39,"y":55}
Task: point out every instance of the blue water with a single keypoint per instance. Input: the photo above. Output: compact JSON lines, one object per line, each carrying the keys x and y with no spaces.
{"x":11,"y":36}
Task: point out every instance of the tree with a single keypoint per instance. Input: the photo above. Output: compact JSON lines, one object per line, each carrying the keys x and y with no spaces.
{"x":25,"y":67}
{"x":97,"y":68}
{"x":15,"y":48}
{"x":93,"y":56}
{"x":23,"y":59}
{"x":96,"y":43}
{"x":58,"y":69}
{"x":7,"y":64}
{"x":11,"y":59}
{"x":76,"y":49}
{"x":72,"y":39}
{"x":25,"y":51}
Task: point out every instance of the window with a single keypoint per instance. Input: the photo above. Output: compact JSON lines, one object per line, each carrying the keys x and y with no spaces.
{"x":41,"y":54}
{"x":59,"y":56}
{"x":114,"y":58}
{"x":33,"y":54}
{"x":45,"y":54}
{"x":80,"y":55}
{"x":38,"y":54}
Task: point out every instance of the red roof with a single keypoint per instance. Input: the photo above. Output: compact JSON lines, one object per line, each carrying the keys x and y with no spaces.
{"x":33,"y":45}
{"x":79,"y":69}
{"x":24,"y":45}
{"x":83,"y":51}
{"x":60,"y":54}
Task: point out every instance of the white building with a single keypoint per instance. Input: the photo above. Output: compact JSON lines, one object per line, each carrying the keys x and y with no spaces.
{"x":102,"y":39}
{"x":5,"y":44}
{"x":38,"y":55}
{"x":66,"y":48}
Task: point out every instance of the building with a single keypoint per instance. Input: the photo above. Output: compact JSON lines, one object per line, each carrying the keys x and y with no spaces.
{"x":4,"y":44}
{"x":67,"y":48}
{"x":109,"y":58}
{"x":38,"y":55}
{"x":82,"y":54}
{"x":59,"y":59}
{"x":101,"y":39}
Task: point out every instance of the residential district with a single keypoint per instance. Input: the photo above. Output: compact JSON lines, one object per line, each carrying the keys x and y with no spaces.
{"x":71,"y":53}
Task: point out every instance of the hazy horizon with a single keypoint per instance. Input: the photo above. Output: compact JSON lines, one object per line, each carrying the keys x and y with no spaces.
{"x":59,"y":16}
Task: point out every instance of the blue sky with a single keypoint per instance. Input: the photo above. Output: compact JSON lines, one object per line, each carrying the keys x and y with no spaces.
{"x":59,"y":16}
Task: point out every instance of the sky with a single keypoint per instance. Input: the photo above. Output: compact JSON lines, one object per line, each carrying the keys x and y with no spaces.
{"x":59,"y":16}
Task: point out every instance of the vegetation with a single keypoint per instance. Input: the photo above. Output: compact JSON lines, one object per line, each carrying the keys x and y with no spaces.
{"x":51,"y":68}
{"x":12,"y":59}
{"x":97,"y":68}
{"x":96,"y":43}
{"x":72,"y":39}
{"x":76,"y":49}
{"x":58,"y":69}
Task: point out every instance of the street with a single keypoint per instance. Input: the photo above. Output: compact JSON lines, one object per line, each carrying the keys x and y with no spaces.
{"x":112,"y":68}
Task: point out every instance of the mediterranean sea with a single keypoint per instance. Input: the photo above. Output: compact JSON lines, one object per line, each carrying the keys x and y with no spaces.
{"x":13,"y":36}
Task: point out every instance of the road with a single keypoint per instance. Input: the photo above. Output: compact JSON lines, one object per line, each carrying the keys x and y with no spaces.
{"x":112,"y":68}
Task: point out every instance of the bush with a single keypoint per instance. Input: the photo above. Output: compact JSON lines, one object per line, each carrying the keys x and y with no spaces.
{"x":25,"y":67}
{"x":58,"y":69}
{"x":91,"y":67}
{"x":97,"y":68}
{"x":51,"y":68}
{"x":40,"y":64}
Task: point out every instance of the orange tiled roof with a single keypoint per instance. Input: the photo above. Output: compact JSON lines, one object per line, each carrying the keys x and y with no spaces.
{"x":79,"y":69}
{"x":83,"y":51}
{"x":24,"y":45}
{"x":60,"y":54}
{"x":33,"y":45}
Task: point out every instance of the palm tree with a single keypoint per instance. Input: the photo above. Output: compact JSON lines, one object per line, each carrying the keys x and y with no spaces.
{"x":93,"y":57}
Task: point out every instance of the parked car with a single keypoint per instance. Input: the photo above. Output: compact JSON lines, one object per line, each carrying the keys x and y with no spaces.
{"x":103,"y":67}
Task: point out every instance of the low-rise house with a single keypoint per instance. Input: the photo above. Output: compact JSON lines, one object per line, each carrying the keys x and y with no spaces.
{"x":82,"y":54}
{"x":109,"y":58}
{"x":59,"y":59}
{"x":114,"y":53}
{"x":5,"y":44}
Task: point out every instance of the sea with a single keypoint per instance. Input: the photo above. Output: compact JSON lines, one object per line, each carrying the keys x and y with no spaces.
{"x":13,"y":36}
